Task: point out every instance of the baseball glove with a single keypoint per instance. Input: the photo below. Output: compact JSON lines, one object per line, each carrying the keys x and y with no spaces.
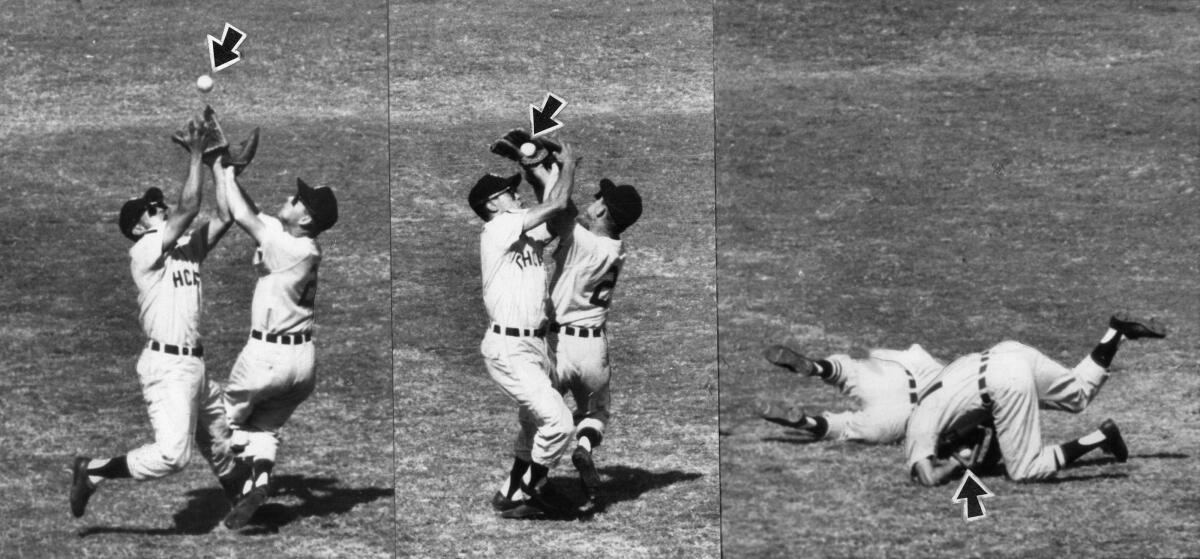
{"x":972,"y":430}
{"x":542,"y":152}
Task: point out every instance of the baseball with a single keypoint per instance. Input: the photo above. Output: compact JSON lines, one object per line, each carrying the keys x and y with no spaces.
{"x":204,"y":83}
{"x":528,"y":149}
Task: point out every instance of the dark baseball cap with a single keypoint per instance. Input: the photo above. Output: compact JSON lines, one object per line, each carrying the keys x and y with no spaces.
{"x":321,"y":203}
{"x":623,"y":202}
{"x":489,"y":186}
{"x":132,"y":210}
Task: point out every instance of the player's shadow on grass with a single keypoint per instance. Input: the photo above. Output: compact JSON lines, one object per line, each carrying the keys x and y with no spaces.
{"x":206,"y":508}
{"x":618,"y":484}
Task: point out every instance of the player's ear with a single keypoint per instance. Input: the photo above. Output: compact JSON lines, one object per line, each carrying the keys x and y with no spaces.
{"x":304,"y":220}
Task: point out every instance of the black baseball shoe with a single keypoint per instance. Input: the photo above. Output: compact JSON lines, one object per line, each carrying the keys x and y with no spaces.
{"x":783,"y":357}
{"x":1134,"y":328}
{"x":240,"y":516}
{"x":500,"y":503}
{"x":1113,"y":443}
{"x":82,"y":488}
{"x":784,"y":420}
{"x":540,"y":503}
{"x":582,"y":459}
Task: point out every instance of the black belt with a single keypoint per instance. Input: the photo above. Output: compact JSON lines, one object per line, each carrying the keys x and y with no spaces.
{"x":983,"y":394}
{"x":177,"y":350}
{"x":519,"y":332}
{"x":912,"y":387}
{"x":285,"y":339}
{"x":579,"y":332}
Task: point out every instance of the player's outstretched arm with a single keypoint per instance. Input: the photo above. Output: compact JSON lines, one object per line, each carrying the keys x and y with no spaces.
{"x":218,"y":228}
{"x":241,"y":208}
{"x":196,"y":136}
{"x":931,"y":471}
{"x":558,"y":197}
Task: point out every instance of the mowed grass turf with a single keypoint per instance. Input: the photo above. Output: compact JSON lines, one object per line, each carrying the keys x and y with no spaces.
{"x":956,"y":174}
{"x":637,"y":79}
{"x":94,"y":91}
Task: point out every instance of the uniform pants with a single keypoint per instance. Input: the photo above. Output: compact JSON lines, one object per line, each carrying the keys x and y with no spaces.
{"x":883,"y":391}
{"x":1020,"y":380}
{"x":184,"y":406}
{"x":521,"y":366}
{"x":581,"y":368}
{"x":268,"y":382}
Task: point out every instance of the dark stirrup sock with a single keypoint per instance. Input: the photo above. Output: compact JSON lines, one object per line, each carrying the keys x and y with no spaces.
{"x":114,"y":468}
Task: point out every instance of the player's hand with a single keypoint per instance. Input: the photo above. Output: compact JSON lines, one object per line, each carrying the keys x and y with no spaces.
{"x":193,"y":136}
{"x":568,"y":155}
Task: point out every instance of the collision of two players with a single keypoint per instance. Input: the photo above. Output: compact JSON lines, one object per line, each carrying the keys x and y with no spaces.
{"x":235,"y":428}
{"x":978,"y":412}
{"x":547,"y":335}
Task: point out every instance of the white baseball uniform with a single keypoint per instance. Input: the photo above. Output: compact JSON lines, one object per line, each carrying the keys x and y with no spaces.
{"x":183,"y":404}
{"x":276,"y":370}
{"x":586,"y":270}
{"x":886,"y":384}
{"x":514,"y":346}
{"x":1017,"y":380}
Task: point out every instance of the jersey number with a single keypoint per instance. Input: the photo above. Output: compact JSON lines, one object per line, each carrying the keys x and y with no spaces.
{"x":308,"y":297}
{"x":602,"y":293}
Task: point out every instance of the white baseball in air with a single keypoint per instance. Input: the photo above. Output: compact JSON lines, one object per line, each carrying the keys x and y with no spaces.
{"x":204,"y":83}
{"x":528,"y":149}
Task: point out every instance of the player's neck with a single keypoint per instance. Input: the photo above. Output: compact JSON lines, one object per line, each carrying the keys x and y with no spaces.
{"x":601,"y":229}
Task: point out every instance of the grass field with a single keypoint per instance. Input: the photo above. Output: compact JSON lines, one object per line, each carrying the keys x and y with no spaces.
{"x":637,"y":80}
{"x":956,"y":174}
{"x":93,"y":90}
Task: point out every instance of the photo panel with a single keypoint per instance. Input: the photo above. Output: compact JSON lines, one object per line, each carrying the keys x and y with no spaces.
{"x":119,"y":350}
{"x":929,"y":208}
{"x":629,"y":85}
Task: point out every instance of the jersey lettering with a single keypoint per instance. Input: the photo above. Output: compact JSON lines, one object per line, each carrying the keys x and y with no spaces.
{"x":185,"y":278}
{"x":602,"y":292}
{"x":527,"y":258}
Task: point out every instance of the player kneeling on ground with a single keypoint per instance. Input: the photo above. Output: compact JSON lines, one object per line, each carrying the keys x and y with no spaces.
{"x":1009,"y":383}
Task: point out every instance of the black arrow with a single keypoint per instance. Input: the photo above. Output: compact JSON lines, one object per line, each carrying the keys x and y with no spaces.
{"x":223,"y":53}
{"x":971,"y":490}
{"x":541,"y":121}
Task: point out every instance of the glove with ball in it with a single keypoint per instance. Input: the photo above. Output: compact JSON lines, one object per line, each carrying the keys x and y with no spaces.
{"x":526,"y":150}
{"x":971,"y":440}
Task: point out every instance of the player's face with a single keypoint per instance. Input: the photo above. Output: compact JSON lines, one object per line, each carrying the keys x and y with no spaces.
{"x":593,"y":212}
{"x":507,"y":200}
{"x":292,"y":210}
{"x":155,"y":213}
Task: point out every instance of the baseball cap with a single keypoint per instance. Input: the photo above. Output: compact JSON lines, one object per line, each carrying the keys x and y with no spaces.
{"x":623,"y":202}
{"x":489,"y":186}
{"x":321,"y":203}
{"x":132,"y":210}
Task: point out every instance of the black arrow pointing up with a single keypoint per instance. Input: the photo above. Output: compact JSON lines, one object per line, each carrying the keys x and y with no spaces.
{"x":223,"y":53}
{"x":971,"y":490}
{"x":541,"y":121}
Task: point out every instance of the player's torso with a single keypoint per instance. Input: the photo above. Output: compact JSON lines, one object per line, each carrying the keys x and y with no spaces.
{"x":514,"y":282}
{"x":586,"y":271}
{"x":170,"y":296}
{"x":285,"y":300}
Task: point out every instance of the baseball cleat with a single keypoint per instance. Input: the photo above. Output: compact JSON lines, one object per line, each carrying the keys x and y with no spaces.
{"x":500,"y":503}
{"x":1134,"y":328}
{"x":783,"y":357}
{"x":1113,"y":443}
{"x":82,"y":488}
{"x":582,"y":459}
{"x":783,"y":419}
{"x":240,"y":516}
